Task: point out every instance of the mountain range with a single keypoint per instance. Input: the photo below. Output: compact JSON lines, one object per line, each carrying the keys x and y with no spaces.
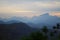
{"x":15,"y":31}
{"x":36,"y":21}
{"x":16,"y":27}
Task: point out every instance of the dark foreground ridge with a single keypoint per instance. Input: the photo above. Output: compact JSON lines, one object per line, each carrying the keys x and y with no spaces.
{"x":22,"y":31}
{"x":14,"y":31}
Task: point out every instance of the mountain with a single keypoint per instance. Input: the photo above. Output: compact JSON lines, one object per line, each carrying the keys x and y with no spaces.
{"x":36,"y":21}
{"x":15,"y":28}
{"x":14,"y":31}
{"x":15,"y":20}
{"x":44,"y":20}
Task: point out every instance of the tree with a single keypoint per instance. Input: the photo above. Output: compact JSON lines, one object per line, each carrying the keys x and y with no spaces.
{"x":45,"y":29}
{"x":51,"y":34}
{"x":55,"y":29}
{"x":35,"y":36}
{"x":58,"y":26}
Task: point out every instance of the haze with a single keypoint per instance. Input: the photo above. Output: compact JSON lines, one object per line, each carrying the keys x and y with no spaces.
{"x":29,"y":8}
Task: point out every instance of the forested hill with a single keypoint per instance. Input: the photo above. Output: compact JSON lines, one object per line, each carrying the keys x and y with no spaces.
{"x":14,"y":31}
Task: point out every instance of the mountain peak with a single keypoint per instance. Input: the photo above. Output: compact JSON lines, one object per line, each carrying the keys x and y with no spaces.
{"x":46,"y":14}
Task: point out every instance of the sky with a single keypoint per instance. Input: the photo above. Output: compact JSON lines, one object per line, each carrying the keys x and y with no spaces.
{"x":29,"y":8}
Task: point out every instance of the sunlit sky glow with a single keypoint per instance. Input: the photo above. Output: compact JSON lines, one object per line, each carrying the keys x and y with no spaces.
{"x":29,"y":8}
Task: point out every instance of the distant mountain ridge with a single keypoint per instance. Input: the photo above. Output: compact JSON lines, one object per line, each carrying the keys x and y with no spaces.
{"x":45,"y":20}
{"x":37,"y":21}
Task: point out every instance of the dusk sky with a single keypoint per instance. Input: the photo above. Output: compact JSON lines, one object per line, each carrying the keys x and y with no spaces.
{"x":28,"y":8}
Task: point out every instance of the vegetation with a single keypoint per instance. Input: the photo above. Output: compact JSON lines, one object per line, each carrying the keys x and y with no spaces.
{"x":22,"y":31}
{"x":46,"y":34}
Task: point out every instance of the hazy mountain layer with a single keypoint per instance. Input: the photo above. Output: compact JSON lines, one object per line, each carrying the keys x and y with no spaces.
{"x":37,"y":21}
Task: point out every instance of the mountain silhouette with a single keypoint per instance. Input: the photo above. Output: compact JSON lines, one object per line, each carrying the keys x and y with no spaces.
{"x":14,"y":31}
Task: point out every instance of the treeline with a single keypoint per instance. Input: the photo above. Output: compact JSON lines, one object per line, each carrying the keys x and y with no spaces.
{"x":45,"y":34}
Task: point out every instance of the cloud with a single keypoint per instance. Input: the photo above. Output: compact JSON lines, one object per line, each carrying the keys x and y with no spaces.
{"x":31,"y":6}
{"x":55,"y":14}
{"x":20,"y":14}
{"x":28,"y":7}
